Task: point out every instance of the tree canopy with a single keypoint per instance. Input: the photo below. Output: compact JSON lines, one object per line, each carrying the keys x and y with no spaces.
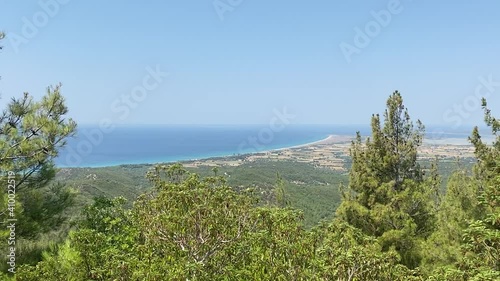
{"x":393,"y":223}
{"x":31,"y":135}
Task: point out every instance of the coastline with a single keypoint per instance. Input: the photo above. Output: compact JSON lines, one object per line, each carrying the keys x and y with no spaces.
{"x":326,"y":140}
{"x":228,"y":155}
{"x":340,"y":141}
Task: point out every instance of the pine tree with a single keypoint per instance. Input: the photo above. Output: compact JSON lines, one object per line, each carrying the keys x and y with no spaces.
{"x":388,"y":196}
{"x":459,"y":206}
{"x":482,"y":237}
{"x":31,"y":134}
{"x":472,"y":214}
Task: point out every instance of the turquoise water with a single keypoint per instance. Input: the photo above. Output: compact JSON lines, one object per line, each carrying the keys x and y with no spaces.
{"x":96,"y":147}
{"x":93,"y":147}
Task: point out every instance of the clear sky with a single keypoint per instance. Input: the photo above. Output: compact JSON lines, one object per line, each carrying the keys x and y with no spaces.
{"x":238,"y":61}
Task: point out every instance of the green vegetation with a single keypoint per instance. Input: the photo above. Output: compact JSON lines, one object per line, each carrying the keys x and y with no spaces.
{"x":388,"y":219}
{"x":388,"y":196}
{"x":33,"y":207}
{"x":31,"y":135}
{"x":210,"y":232}
{"x":313,"y":190}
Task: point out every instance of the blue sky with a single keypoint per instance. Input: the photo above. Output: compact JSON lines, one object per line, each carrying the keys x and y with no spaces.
{"x":238,"y":61}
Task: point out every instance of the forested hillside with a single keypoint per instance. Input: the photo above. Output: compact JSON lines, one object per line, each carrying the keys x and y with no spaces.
{"x":313,"y":190}
{"x":389,"y":220}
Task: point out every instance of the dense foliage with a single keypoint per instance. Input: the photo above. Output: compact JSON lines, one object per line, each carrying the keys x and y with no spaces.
{"x":388,"y":196}
{"x":210,"y":232}
{"x":392,"y":224}
{"x":32,"y":205}
{"x":313,"y":190}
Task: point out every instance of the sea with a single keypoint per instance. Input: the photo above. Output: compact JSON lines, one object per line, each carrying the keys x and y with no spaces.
{"x":96,"y":146}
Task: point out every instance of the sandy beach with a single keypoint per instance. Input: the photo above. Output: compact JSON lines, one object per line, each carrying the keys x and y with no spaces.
{"x":328,"y":140}
{"x":333,"y":151}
